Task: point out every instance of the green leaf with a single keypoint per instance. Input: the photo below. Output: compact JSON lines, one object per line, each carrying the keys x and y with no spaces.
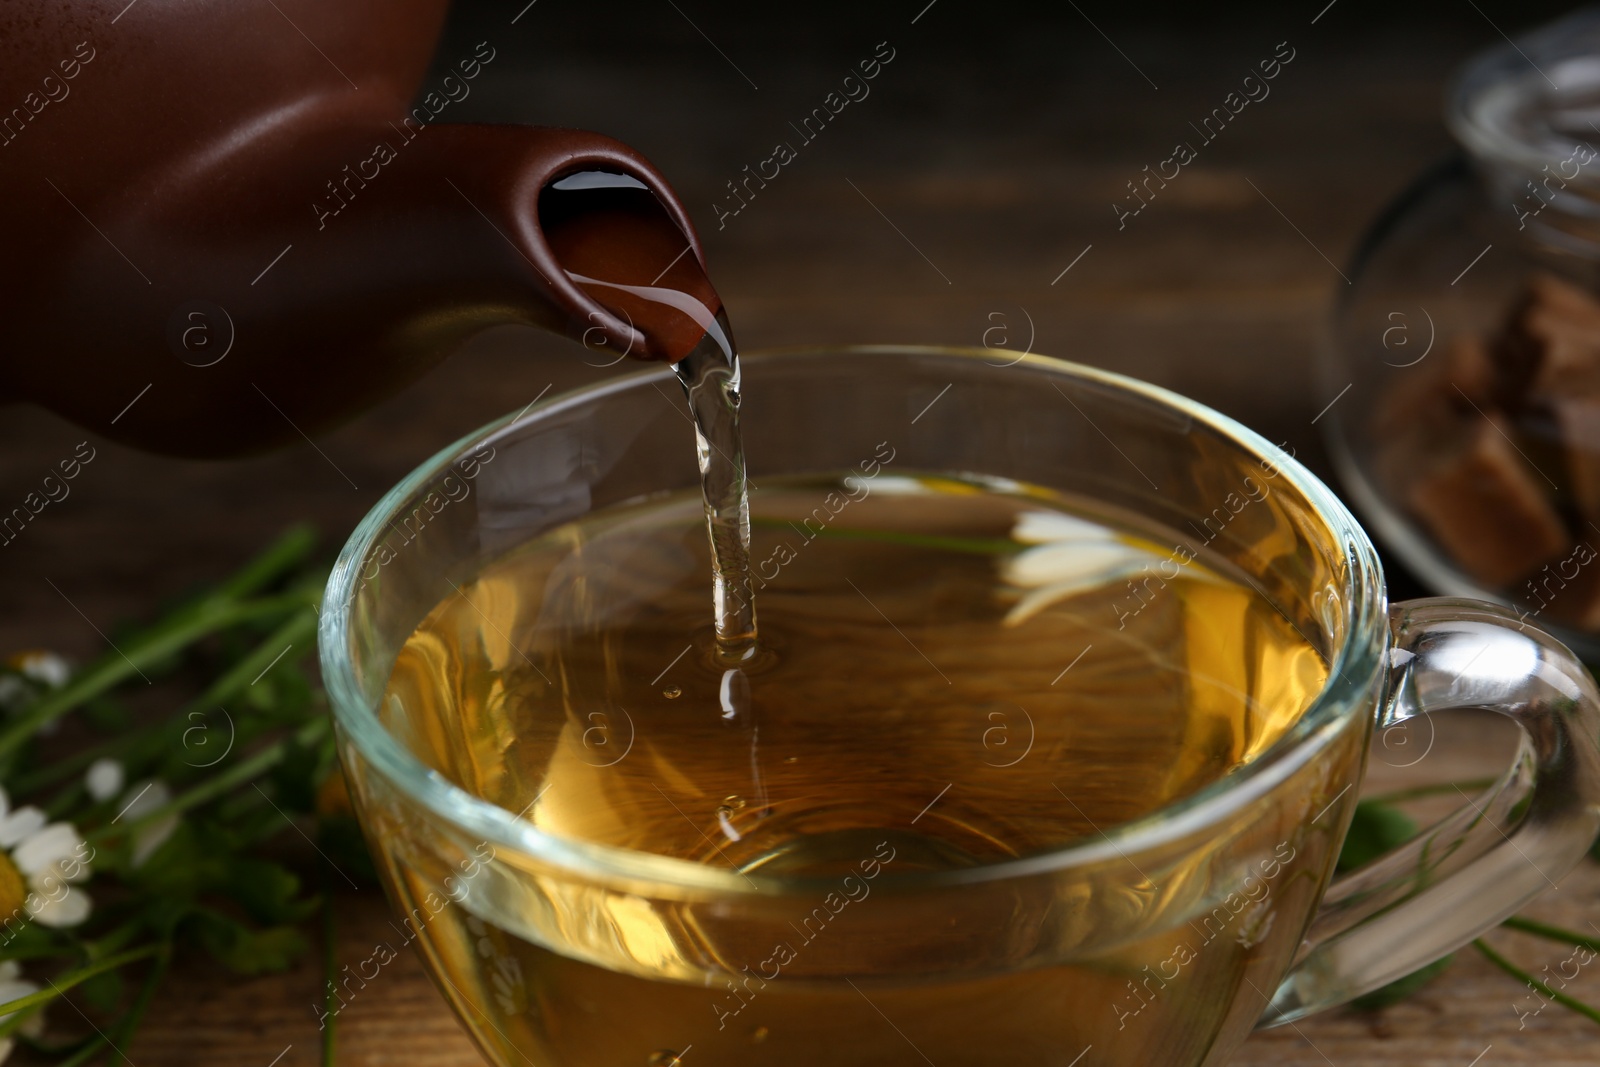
{"x":1375,"y":829}
{"x":165,"y":914}
{"x":194,"y":860}
{"x":250,"y":826}
{"x":260,"y":696}
{"x":179,"y":868}
{"x":248,"y":950}
{"x":269,"y":891}
{"x":104,"y":990}
{"x":296,"y":776}
{"x":1401,"y":988}
{"x":291,"y":689}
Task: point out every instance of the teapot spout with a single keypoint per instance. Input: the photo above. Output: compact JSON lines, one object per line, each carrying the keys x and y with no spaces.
{"x":556,"y":227}
{"x":283,"y":281}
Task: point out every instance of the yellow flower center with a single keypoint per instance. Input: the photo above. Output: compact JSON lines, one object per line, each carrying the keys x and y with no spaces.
{"x":13,"y":889}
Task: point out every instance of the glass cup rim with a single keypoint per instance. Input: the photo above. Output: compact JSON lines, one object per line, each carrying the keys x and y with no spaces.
{"x":1363,"y":602}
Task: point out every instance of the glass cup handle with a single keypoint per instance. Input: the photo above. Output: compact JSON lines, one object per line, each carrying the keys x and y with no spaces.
{"x":1461,"y":877}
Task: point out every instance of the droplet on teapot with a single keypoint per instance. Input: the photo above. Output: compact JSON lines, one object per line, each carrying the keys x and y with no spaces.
{"x":672,"y":692}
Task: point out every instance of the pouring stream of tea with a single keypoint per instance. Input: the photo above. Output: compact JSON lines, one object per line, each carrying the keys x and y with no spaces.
{"x":616,"y":242}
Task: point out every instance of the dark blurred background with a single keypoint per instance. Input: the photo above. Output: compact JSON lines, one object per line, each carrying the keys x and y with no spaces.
{"x":995,"y":143}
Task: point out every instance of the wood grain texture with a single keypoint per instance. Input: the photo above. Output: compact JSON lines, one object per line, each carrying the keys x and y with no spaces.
{"x":996,"y":142}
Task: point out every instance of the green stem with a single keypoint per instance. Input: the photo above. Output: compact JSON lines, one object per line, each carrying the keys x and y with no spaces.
{"x":1545,"y":991}
{"x":135,"y":1014}
{"x":1419,"y":791}
{"x":22,"y":955}
{"x":1554,"y":933}
{"x":115,"y":940}
{"x":287,"y":552}
{"x":236,"y":775}
{"x":165,"y":638}
{"x":82,"y":1048}
{"x":300,"y":627}
{"x":126,"y":747}
{"x":61,"y":944}
{"x":90,"y":1047}
{"x":60,"y":985}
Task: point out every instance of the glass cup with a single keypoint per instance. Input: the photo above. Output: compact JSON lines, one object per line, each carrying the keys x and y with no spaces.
{"x":1162,"y":940}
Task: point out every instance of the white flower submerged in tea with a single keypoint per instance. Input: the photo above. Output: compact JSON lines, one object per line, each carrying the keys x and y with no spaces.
{"x":1071,"y":555}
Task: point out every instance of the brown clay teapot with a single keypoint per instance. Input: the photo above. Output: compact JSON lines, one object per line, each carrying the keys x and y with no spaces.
{"x":225,"y":224}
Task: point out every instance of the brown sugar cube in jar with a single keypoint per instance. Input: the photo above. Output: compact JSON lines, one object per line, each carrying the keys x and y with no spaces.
{"x":1566,"y":590}
{"x":1554,"y":337}
{"x":1471,"y":377}
{"x":1484,"y":504}
{"x":1433,"y":398}
{"x":1578,"y":422}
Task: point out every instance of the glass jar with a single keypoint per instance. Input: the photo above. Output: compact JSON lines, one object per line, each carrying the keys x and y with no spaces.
{"x":1463,"y":374}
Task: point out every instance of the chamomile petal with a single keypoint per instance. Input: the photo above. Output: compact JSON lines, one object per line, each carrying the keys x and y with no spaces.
{"x":66,"y":909}
{"x":1042,"y":527}
{"x":20,"y":825}
{"x":49,"y":850}
{"x":104,"y":779}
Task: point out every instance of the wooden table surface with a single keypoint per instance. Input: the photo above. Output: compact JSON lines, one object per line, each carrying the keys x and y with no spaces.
{"x":948,"y":203}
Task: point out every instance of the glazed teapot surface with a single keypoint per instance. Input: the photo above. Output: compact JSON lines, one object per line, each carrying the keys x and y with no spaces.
{"x":241,"y":217}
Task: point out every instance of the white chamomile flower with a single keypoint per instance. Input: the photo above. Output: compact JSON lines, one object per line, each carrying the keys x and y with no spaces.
{"x":1047,"y":527}
{"x":36,"y":670}
{"x":104,"y":779}
{"x":13,"y":987}
{"x":46,"y":668}
{"x":40,"y":863}
{"x":142,"y":799}
{"x":1068,"y":556}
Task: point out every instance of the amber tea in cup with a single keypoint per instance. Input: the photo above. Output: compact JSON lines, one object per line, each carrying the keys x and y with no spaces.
{"x":1043,"y":755}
